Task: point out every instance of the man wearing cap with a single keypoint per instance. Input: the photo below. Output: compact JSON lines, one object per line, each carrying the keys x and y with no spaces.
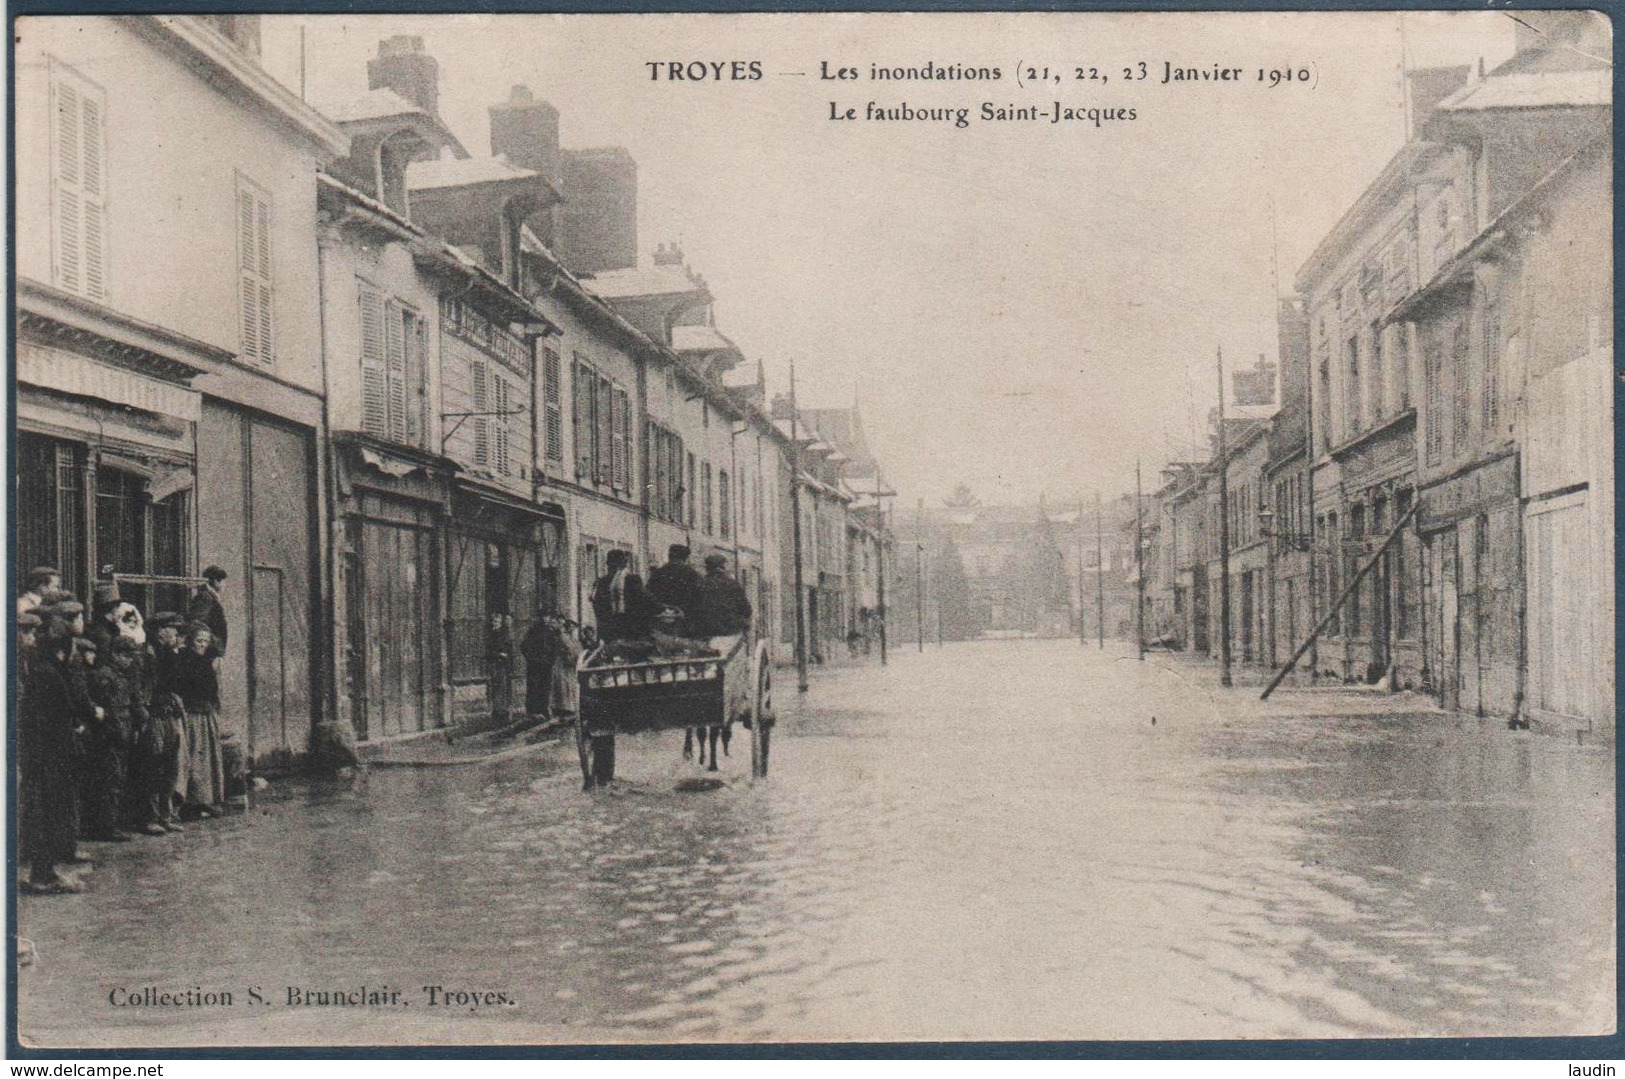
{"x":677,"y":583}
{"x":48,"y":720}
{"x":206,"y":607}
{"x":41,"y":580}
{"x":724,"y":609}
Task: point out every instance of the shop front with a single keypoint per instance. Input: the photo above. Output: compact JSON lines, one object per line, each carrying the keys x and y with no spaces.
{"x":504,"y":557}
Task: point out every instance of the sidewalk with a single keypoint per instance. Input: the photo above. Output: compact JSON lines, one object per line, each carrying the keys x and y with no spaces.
{"x":455,"y":747}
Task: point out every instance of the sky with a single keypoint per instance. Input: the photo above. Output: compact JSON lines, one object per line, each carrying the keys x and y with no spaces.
{"x":1023,"y":307}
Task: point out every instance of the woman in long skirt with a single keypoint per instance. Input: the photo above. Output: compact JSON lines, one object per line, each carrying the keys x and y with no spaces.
{"x":194,"y":680}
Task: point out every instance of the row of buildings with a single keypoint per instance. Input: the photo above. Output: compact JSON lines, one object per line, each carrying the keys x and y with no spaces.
{"x":404,"y":393}
{"x":1436,"y":486}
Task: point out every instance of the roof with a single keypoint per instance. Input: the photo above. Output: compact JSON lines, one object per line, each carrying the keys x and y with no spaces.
{"x":1534,"y":90}
{"x":372,"y":105}
{"x":208,"y":44}
{"x":699,"y":339}
{"x":645,"y":281}
{"x":426,"y":175}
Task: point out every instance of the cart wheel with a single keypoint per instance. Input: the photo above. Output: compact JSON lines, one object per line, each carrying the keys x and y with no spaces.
{"x":761,"y":715}
{"x":603,"y":759}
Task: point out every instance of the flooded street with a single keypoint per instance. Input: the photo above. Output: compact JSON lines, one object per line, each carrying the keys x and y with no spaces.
{"x":987,"y":841}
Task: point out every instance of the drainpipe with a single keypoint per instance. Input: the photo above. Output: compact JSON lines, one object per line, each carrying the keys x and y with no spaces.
{"x":330,"y":577}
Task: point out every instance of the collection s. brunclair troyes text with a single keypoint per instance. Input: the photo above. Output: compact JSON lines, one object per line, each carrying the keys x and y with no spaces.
{"x":438,"y":997}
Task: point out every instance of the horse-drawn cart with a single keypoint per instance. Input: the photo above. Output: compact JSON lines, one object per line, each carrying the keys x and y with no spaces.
{"x":679,"y":692}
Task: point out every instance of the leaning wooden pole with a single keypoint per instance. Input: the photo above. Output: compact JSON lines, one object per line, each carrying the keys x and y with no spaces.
{"x":1348,"y":591}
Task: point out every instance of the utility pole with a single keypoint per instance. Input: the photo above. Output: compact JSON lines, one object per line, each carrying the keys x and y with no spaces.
{"x":1224,"y":540}
{"x":880,"y":588}
{"x":1100,"y":578}
{"x":919,"y":574}
{"x":795,"y":533}
{"x":1082,"y":634}
{"x":1139,"y":566}
{"x":1309,"y":515}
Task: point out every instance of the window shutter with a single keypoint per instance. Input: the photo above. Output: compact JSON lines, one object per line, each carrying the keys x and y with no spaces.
{"x":605,"y":429}
{"x":395,"y":367}
{"x":499,"y":424}
{"x":552,"y":398}
{"x":254,"y":271}
{"x":618,"y":438}
{"x":417,"y":343}
{"x":374,"y":380}
{"x":581,"y":397}
{"x":482,"y":424}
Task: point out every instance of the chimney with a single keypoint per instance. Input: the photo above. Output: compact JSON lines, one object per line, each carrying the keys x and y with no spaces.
{"x":402,"y":66}
{"x":669,"y":255}
{"x":526,"y":132}
{"x":598,"y":221}
{"x":1431,"y":85}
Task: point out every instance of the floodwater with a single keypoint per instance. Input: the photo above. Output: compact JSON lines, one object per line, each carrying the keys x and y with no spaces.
{"x":986,"y":841}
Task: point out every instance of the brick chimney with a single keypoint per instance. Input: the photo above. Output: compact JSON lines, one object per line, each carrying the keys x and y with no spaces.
{"x":669,"y":255}
{"x":527,"y":132}
{"x":402,"y":66}
{"x":1431,"y":85}
{"x":598,"y":222}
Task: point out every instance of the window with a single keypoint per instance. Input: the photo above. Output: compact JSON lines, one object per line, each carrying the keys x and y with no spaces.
{"x":1489,"y":363}
{"x":394,"y":360}
{"x":1460,"y":348}
{"x":724,"y":505}
{"x":1433,"y":394}
{"x":1402,"y":367}
{"x":553,"y":404}
{"x":1378,"y":373}
{"x":78,"y":184}
{"x":1352,"y":386}
{"x":254,"y":272}
{"x":603,"y":430}
{"x":666,"y":473}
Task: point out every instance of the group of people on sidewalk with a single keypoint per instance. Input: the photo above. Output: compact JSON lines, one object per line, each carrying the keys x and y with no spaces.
{"x":118,"y":721}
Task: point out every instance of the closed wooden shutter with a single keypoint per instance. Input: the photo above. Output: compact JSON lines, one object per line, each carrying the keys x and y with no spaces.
{"x":374,"y":375}
{"x":395,"y":368}
{"x":502,"y":404}
{"x":479,"y":394}
{"x":79,"y":185}
{"x":254,"y":272}
{"x":603,"y":423}
{"x":581,"y":398}
{"x":620,"y":443}
{"x":553,"y":403}
{"x":417,"y":366}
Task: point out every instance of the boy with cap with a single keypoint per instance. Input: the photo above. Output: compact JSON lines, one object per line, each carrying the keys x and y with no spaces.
{"x":115,"y":688}
{"x":41,"y":579}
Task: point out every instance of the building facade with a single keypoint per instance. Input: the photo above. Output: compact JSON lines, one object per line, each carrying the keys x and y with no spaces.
{"x":172,"y":420}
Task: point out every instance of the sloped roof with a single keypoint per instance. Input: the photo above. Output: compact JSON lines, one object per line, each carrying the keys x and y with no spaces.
{"x":373,"y":105}
{"x":700,"y":339}
{"x":426,"y":175}
{"x":644,"y":281}
{"x":1534,"y":90}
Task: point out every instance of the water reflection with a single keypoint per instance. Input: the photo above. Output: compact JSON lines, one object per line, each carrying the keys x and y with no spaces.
{"x":988,"y":841}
